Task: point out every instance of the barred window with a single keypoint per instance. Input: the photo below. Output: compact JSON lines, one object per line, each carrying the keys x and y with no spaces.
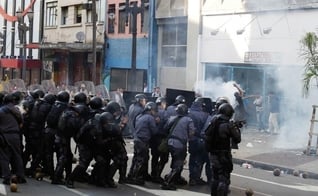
{"x":64,"y":15}
{"x":174,"y":45}
{"x":50,"y":15}
{"x":78,"y":13}
{"x":111,"y":18}
{"x":122,"y":18}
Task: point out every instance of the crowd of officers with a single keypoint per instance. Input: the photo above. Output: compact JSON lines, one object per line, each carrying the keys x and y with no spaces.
{"x":35,"y":127}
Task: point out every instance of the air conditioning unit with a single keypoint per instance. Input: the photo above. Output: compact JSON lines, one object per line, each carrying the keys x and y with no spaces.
{"x":87,"y":6}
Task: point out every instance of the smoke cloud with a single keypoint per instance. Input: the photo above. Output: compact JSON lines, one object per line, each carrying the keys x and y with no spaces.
{"x":295,"y":110}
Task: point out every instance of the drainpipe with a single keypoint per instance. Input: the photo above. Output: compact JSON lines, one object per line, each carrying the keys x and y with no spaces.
{"x":151,"y":81}
{"x":94,"y":40}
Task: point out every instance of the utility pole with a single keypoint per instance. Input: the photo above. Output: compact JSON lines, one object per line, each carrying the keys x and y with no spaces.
{"x":94,"y":20}
{"x":134,"y":11}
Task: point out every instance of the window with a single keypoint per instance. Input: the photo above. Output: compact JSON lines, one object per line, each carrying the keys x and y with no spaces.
{"x":78,"y":13}
{"x":131,"y":5}
{"x":145,"y":18}
{"x":89,"y":11}
{"x":111,"y":18}
{"x":50,"y":15}
{"x":89,"y":16}
{"x":174,"y":45}
{"x":145,"y":27}
{"x":121,"y":18}
{"x":64,"y":15}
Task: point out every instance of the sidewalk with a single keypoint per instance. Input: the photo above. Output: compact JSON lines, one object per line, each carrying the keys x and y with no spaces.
{"x":258,"y":150}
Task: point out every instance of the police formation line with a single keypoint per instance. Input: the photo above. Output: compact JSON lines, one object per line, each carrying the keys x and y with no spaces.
{"x":35,"y":127}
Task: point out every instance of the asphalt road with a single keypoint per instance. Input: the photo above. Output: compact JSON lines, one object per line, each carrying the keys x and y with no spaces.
{"x":262,"y":182}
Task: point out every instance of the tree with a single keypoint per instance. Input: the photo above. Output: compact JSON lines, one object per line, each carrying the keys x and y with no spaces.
{"x":310,"y":54}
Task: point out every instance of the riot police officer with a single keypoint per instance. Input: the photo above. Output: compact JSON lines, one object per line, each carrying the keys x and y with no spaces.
{"x":37,"y":118}
{"x":30,"y":146}
{"x":67,"y":127}
{"x":118,"y":153}
{"x":171,"y":109}
{"x":219,"y":136}
{"x":181,"y":129}
{"x":62,"y":99}
{"x":134,"y":110}
{"x":158,"y":158}
{"x":145,"y":128}
{"x":10,"y":151}
{"x":86,"y":143}
{"x":196,"y":144}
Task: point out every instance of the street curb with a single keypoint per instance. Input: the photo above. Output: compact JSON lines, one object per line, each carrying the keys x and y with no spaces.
{"x":271,"y":167}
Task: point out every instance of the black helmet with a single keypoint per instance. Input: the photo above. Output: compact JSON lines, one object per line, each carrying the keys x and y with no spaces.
{"x":37,"y":93}
{"x":80,"y":97}
{"x":8,"y":98}
{"x":105,"y":118}
{"x":226,"y":109}
{"x":2,"y":94}
{"x":63,"y":96}
{"x":151,"y":106}
{"x":180,"y":99}
{"x":160,"y":100}
{"x":113,"y":107}
{"x":199,"y":99}
{"x":139,"y":97}
{"x":220,"y":101}
{"x":96,"y":103}
{"x":50,"y":98}
{"x":182,"y":109}
{"x":17,"y":96}
{"x":25,"y":104}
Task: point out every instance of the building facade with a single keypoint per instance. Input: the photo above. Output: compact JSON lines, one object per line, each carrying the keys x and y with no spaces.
{"x":67,"y":45}
{"x":241,"y":41}
{"x":121,"y":67}
{"x":19,"y":40}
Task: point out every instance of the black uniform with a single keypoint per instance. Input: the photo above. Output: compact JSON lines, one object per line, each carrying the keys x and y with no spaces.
{"x":85,"y":140}
{"x":219,"y":136}
{"x":49,"y":136}
{"x":11,"y":154}
{"x":77,"y":116}
{"x":35,"y":140}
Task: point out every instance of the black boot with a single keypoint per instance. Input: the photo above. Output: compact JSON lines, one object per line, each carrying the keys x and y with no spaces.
{"x":168,"y":181}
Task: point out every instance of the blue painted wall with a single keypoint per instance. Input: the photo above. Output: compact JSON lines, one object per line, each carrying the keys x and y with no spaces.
{"x":118,"y":54}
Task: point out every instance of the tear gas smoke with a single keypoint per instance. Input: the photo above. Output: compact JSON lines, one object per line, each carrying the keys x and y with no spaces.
{"x":216,"y":88}
{"x":295,"y":110}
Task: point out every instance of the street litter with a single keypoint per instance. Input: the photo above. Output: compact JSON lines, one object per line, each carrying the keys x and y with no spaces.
{"x":247,"y":165}
{"x":249,"y":145}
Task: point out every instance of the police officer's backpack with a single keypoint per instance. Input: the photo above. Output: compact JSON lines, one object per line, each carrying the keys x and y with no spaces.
{"x":84,"y":135}
{"x":54,"y":115}
{"x":70,"y":121}
{"x":211,"y":134}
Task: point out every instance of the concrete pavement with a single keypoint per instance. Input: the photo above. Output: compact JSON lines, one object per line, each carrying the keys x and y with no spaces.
{"x":258,"y":149}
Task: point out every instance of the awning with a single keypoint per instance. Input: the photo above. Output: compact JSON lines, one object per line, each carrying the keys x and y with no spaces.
{"x":18,"y":63}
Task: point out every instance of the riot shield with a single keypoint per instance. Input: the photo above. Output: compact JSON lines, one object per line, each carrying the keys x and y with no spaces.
{"x":86,"y":87}
{"x":129,"y":97}
{"x":17,"y":85}
{"x":49,"y":86}
{"x":117,"y":97}
{"x":32,"y":87}
{"x":102,"y":91}
{"x":171,"y":95}
{"x":72,"y":90}
{"x":4,"y":86}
